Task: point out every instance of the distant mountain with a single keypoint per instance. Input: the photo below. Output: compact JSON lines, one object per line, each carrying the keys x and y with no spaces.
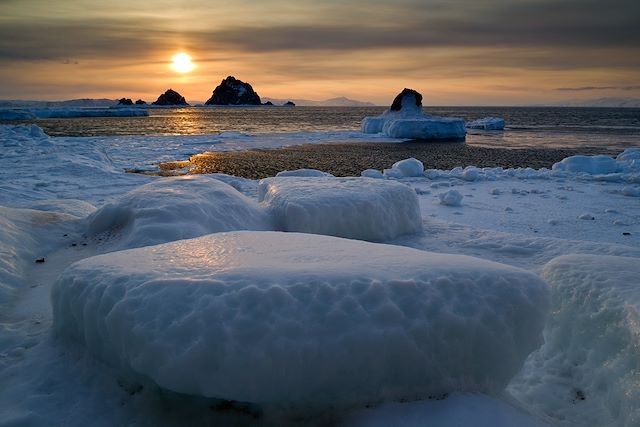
{"x":333,"y":102}
{"x":601,"y":102}
{"x":84,"y":102}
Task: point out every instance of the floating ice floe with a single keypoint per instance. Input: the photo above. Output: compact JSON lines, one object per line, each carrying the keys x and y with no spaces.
{"x":356,"y":208}
{"x":405,"y":119}
{"x":588,"y":371}
{"x":488,"y":123}
{"x":177,"y":208}
{"x":303,"y":320}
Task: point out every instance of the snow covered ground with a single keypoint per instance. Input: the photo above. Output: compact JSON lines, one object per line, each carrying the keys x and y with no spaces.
{"x":354,"y":327}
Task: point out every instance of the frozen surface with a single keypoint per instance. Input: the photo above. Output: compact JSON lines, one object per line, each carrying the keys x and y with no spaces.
{"x":304,"y":320}
{"x":457,"y":410}
{"x":588,"y":371}
{"x":487,"y":123}
{"x":521,"y":217}
{"x":356,"y":208}
{"x":36,"y":167}
{"x":23,"y":240}
{"x":176,"y":208}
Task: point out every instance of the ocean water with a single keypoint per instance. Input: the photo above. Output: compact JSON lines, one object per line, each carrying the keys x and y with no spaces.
{"x":527,"y":127}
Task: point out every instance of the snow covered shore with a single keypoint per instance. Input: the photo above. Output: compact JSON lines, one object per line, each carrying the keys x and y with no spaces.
{"x":310,"y":329}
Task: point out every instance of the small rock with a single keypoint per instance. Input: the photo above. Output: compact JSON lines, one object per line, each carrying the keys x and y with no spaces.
{"x":39,"y":260}
{"x":626,"y":233}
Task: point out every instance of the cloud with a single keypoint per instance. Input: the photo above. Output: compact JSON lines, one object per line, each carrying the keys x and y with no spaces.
{"x":590,"y":88}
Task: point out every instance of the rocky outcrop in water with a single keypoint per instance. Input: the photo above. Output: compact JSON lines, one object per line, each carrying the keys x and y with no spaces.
{"x":170,"y":97}
{"x":125,"y":101}
{"x":141,"y":102}
{"x":232,"y":91}
{"x":397,"y":101}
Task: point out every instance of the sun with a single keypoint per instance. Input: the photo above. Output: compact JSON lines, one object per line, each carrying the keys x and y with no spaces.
{"x":181,"y":62}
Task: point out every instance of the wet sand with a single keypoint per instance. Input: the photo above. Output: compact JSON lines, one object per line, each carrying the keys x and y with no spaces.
{"x":350,"y":159}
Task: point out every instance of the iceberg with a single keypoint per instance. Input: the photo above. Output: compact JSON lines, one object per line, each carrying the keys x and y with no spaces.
{"x":488,"y":123}
{"x":405,"y":119}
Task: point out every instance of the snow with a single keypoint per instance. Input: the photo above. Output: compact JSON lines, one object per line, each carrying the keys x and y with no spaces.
{"x":59,"y":112}
{"x":409,"y":167}
{"x":356,"y":208}
{"x":521,"y":217}
{"x":487,"y":123}
{"x":372,"y":173}
{"x":588,"y":164}
{"x":588,"y":371}
{"x":456,"y":410}
{"x":176,"y":208}
{"x":303,"y":320}
{"x":22,"y":242}
{"x":450,"y":198}
{"x":304,"y":173}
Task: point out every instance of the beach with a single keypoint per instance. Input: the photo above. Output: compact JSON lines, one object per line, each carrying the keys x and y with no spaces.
{"x":350,"y":159}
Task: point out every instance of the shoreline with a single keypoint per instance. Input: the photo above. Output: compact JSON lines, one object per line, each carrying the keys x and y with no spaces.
{"x":350,"y":159}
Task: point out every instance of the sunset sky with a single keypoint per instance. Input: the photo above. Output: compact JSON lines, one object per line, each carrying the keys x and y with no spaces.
{"x":464,"y":52}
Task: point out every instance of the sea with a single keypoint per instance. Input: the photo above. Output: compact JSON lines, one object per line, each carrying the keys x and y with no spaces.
{"x":607,"y":129}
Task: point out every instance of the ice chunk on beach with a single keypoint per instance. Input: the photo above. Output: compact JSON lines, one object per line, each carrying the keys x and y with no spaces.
{"x":405,"y":119}
{"x":409,"y":167}
{"x":304,"y":173}
{"x":356,"y":208}
{"x":301,"y":319}
{"x":170,"y":209}
{"x":588,"y":371}
{"x":450,"y":198}
{"x":372,"y":173}
{"x":594,"y":165}
{"x":488,"y":123}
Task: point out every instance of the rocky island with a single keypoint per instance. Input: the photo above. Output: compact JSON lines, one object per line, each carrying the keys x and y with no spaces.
{"x":232,"y":91}
{"x":170,"y":97}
